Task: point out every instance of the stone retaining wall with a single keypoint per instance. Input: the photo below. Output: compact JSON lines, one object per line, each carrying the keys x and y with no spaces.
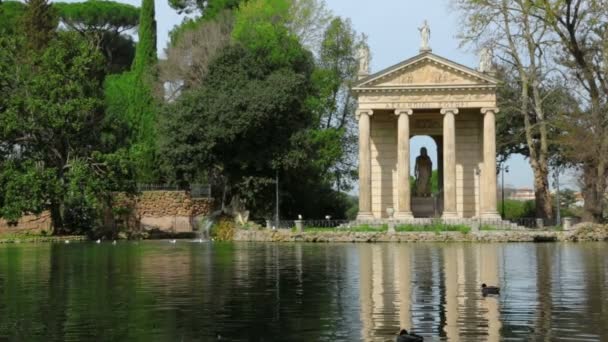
{"x":167,"y":211}
{"x":483,"y":236}
{"x":30,"y":223}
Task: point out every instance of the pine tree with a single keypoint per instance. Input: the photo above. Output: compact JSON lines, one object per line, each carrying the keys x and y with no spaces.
{"x":39,"y":23}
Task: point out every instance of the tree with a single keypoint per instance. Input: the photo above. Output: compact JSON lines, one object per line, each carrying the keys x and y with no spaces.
{"x":580,"y":32}
{"x":308,"y":21}
{"x":188,"y":58}
{"x":521,"y":39}
{"x":39,"y":23}
{"x":208,"y":8}
{"x":131,"y":96}
{"x":242,"y":123}
{"x":336,"y":72}
{"x":54,"y":155}
{"x":105,"y":23}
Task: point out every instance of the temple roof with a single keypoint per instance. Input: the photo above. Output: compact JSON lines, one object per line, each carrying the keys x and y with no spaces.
{"x":426,"y":71}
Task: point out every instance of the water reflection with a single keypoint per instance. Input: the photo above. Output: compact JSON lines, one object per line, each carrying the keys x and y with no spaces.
{"x":302,"y":292}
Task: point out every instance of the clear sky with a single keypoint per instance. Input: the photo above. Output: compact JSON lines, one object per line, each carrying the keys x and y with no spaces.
{"x":392,"y":28}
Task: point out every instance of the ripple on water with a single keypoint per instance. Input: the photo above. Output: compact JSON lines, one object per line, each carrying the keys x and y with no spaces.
{"x":156,"y":291}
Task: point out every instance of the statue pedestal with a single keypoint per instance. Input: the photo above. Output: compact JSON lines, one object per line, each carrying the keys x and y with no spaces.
{"x":423,"y":207}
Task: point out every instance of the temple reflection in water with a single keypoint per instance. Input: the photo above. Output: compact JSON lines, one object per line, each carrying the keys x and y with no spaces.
{"x":429,"y":289}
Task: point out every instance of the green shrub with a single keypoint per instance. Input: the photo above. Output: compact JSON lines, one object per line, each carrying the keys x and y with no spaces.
{"x":518,"y":209}
{"x":224,"y":229}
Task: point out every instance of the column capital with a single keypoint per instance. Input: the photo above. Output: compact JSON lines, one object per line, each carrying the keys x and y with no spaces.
{"x":445,"y":111}
{"x":402,"y":111}
{"x":368,"y":112}
{"x":493,"y":110}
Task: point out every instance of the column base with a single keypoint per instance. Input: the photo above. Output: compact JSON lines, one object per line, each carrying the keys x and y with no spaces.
{"x":405,"y":215}
{"x":491,"y":216}
{"x":449,"y":215}
{"x":365,"y":216}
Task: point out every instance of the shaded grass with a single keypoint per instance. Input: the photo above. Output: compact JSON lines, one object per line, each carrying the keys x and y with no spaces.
{"x":434,"y":227}
{"x":357,"y":229}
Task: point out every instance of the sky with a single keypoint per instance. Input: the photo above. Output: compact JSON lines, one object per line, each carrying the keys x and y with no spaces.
{"x":392,"y":29}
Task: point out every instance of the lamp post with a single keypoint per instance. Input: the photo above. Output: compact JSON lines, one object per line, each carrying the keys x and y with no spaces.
{"x":558,"y":214}
{"x":504,"y":169}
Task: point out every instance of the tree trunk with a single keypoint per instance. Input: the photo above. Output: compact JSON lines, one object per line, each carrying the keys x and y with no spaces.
{"x":544,"y":208}
{"x":593,"y":197}
{"x":57,"y":218}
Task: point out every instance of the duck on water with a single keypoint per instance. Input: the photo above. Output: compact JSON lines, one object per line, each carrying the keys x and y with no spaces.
{"x":404,"y":336}
{"x":489,"y":290}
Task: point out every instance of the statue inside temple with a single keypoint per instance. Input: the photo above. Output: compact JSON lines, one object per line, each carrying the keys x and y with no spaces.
{"x":423,"y":172}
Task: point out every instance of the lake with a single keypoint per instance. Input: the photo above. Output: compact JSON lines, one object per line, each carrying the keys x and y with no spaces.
{"x":157,"y":291}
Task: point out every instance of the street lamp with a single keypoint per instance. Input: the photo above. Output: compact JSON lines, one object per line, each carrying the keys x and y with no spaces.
{"x":558,"y":214}
{"x":504,"y":169}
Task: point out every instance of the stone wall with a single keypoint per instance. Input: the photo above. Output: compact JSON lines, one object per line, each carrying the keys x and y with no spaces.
{"x":167,"y":211}
{"x":32,"y":223}
{"x":595,"y":233}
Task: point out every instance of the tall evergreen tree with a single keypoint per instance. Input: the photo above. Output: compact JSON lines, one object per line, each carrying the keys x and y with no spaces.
{"x":39,"y":23}
{"x":130,"y":96}
{"x":145,"y":55}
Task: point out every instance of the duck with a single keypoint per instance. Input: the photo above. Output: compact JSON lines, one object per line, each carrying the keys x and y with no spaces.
{"x":67,"y":241}
{"x":404,"y":336}
{"x":489,"y":290}
{"x":98,"y":241}
{"x":114,"y":242}
{"x":173,"y":241}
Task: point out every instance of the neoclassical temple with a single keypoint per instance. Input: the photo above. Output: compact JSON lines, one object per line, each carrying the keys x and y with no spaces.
{"x":431,"y":96}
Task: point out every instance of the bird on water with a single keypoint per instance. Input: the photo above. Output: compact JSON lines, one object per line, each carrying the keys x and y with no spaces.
{"x":405,"y":336}
{"x":489,"y":290}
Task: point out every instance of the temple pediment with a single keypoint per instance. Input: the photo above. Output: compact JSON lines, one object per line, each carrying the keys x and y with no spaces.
{"x":426,"y":71}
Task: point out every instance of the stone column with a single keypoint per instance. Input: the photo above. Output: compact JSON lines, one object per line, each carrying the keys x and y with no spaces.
{"x":365,"y":165}
{"x":488,"y":174}
{"x":449,"y":162}
{"x":404,"y":211}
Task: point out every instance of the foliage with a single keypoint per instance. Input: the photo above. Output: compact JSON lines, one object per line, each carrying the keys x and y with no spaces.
{"x":39,"y":23}
{"x":53,"y":126}
{"x":334,"y":105}
{"x":224,"y":229}
{"x":242,"y":121}
{"x":130,"y":96}
{"x":261,"y":27}
{"x":94,"y":16}
{"x":189,"y":56}
{"x":308,"y":20}
{"x":10,"y":17}
{"x":106,"y":24}
{"x":145,"y":54}
{"x":517,"y":209}
{"x":208,"y":8}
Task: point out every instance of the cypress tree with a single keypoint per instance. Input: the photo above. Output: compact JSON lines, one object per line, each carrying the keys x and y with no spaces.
{"x":145,"y":54}
{"x":138,"y":102}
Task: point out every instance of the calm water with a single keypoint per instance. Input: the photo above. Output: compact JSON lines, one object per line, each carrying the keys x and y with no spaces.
{"x":156,"y":291}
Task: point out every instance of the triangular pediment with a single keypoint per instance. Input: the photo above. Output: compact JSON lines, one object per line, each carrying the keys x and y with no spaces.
{"x":426,"y":71}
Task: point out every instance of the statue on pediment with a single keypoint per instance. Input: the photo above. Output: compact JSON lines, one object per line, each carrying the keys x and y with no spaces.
{"x":425,"y":35}
{"x":363,"y":56}
{"x":485,"y":60}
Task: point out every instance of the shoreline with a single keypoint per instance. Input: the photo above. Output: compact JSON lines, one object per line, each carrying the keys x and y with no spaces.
{"x":417,"y":237}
